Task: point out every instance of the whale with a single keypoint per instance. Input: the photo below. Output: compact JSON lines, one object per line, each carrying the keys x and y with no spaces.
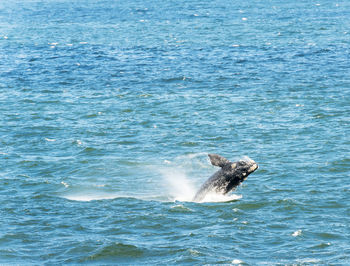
{"x":230,"y":175}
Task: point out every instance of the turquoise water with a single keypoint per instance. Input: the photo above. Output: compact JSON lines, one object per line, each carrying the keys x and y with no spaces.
{"x":109,"y":108}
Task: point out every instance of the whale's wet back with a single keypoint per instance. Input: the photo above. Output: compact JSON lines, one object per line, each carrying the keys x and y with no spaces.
{"x":228,"y":177}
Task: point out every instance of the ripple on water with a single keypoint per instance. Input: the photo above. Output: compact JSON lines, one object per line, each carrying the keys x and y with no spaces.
{"x":180,"y":209}
{"x":116,"y":252}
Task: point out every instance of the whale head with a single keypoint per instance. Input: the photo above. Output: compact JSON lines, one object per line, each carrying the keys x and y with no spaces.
{"x":233,"y":173}
{"x":242,"y":168}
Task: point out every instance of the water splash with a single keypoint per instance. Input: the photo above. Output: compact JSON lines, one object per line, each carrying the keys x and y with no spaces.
{"x":215,"y":197}
{"x":178,"y":178}
{"x":178,"y":186}
{"x":177,"y":181}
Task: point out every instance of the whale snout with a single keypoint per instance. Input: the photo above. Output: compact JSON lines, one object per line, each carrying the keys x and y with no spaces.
{"x":253,"y":167}
{"x":249,"y":165}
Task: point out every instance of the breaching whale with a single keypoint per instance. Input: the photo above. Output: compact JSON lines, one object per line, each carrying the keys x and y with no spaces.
{"x":227,"y":178}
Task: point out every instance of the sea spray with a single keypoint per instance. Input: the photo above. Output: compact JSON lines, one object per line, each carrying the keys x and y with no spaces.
{"x":177,"y":184}
{"x":180,"y":174}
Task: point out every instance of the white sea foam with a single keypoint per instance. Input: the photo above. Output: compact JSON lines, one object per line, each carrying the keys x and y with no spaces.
{"x":236,"y":261}
{"x":297,"y":233}
{"x":309,"y":261}
{"x":215,"y":197}
{"x":90,"y":195}
{"x":65,"y":184}
{"x":87,"y":191}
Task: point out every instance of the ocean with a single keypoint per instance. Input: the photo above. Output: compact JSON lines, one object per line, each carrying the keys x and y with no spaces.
{"x":108,"y":110}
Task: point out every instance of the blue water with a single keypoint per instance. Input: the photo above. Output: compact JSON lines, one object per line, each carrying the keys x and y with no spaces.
{"x":108,"y":110}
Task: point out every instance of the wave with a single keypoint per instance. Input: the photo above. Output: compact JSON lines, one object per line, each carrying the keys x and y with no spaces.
{"x":92,"y":196}
{"x":117,"y":250}
{"x":89,"y":197}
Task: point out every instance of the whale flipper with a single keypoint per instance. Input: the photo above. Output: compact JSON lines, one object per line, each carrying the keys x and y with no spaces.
{"x":218,"y":160}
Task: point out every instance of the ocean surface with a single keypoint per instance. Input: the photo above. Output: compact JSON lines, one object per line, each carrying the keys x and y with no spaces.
{"x":108,"y":110}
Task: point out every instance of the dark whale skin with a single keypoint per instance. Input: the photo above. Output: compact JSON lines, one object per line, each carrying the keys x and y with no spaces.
{"x":231,"y":175}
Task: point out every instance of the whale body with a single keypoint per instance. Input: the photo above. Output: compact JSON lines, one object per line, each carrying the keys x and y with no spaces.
{"x":231,"y":175}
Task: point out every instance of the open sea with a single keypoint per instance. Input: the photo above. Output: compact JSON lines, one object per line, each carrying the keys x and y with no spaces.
{"x":109,"y":108}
